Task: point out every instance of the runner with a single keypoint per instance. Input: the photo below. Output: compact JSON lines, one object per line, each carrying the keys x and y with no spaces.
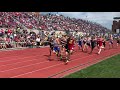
{"x":71,"y":45}
{"x":118,"y":41}
{"x":93,"y":44}
{"x":51,"y":45}
{"x":56,"y":48}
{"x":85,"y":44}
{"x":97,"y":38}
{"x":62,"y":52}
{"x":100,"y":44}
{"x":104,"y":43}
{"x":88,"y":42}
{"x":63,"y":49}
{"x":110,"y":41}
{"x":80,"y":43}
{"x":67,"y":51}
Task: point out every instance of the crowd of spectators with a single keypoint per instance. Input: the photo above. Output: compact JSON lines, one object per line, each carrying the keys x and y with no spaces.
{"x":13,"y":25}
{"x":48,"y":22}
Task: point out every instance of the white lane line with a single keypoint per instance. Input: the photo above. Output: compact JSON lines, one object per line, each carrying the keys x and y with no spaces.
{"x":50,"y":66}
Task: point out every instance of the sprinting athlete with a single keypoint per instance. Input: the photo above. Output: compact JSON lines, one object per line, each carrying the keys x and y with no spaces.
{"x":104,"y":43}
{"x":56,"y":48}
{"x":118,"y":41}
{"x":51,"y":45}
{"x":71,"y":45}
{"x":67,"y":51}
{"x":97,"y":41}
{"x":85,"y":44}
{"x":63,"y":49}
{"x":110,"y":41}
{"x":100,"y":40}
{"x":88,"y":41}
{"x":80,"y":43}
{"x":93,"y":44}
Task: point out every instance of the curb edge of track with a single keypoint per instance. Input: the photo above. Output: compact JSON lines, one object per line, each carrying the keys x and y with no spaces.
{"x":52,"y":76}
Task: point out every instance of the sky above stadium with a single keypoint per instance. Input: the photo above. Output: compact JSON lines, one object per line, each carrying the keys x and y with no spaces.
{"x":103,"y":18}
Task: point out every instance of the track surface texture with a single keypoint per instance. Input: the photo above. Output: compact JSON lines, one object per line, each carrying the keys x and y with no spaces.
{"x":36,"y":63}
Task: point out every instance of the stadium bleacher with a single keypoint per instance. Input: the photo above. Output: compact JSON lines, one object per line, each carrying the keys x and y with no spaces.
{"x":15,"y":25}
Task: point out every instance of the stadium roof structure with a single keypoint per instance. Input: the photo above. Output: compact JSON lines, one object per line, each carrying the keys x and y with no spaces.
{"x":116,"y":17}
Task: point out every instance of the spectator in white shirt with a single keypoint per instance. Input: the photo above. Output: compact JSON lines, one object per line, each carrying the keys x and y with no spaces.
{"x":38,"y":41}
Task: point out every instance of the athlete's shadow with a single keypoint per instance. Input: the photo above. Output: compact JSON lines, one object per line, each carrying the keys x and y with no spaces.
{"x":49,"y":57}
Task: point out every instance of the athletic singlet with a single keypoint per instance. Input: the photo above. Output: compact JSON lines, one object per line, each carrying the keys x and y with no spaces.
{"x":110,"y":40}
{"x":51,"y":42}
{"x":63,"y":42}
{"x":100,"y":42}
{"x":93,"y":43}
{"x":81,"y":40}
{"x":55,"y":43}
{"x":88,"y":41}
{"x":71,"y":44}
{"x":84,"y":41}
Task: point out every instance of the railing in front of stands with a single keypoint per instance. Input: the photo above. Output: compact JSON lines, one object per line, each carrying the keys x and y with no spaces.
{"x":22,"y":44}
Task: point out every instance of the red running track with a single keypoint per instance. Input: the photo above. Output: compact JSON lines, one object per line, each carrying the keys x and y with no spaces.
{"x":34,"y":63}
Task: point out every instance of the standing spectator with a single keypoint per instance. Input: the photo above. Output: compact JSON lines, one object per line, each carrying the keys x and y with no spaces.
{"x":38,"y":41}
{"x":8,"y":42}
{"x":1,"y":34}
{"x":16,"y":41}
{"x":4,"y":43}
